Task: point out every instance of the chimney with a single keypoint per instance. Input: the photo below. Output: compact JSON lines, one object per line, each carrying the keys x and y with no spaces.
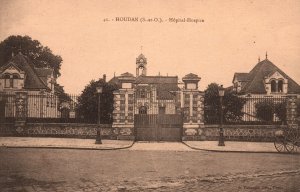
{"x":104,"y":77}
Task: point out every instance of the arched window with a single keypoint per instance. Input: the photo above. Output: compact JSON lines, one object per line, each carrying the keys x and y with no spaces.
{"x":273,"y":86}
{"x":143,"y":110}
{"x":280,"y":86}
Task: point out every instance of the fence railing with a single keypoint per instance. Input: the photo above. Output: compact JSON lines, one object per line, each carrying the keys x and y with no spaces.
{"x":255,"y":110}
{"x":46,"y":107}
{"x":50,"y":108}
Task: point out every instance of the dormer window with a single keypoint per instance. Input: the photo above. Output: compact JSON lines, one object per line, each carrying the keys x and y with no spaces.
{"x":276,"y":86}
{"x":276,"y":83}
{"x":273,"y":86}
{"x":11,"y":80}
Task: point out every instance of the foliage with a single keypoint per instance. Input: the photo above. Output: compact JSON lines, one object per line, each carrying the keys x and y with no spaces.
{"x":62,"y":96}
{"x":280,"y":111}
{"x":264,"y":110}
{"x":39,"y":55}
{"x":232,"y":105}
{"x":87,"y":107}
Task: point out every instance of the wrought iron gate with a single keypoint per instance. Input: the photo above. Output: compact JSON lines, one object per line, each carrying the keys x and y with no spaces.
{"x":157,"y":115}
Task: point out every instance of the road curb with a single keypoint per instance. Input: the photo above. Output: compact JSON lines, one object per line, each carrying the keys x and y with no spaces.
{"x":74,"y":148}
{"x":223,"y":151}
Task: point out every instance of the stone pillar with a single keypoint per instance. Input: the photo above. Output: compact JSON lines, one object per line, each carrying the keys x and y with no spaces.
{"x":123,"y":114}
{"x":193,"y":99}
{"x":193,"y":114}
{"x":21,"y":111}
{"x":291,"y":111}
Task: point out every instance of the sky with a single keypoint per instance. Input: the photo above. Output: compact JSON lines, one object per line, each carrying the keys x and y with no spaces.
{"x":231,"y":38}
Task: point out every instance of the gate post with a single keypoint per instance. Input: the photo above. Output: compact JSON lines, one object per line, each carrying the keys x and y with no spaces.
{"x":21,"y":111}
{"x":123,"y":114}
{"x":192,"y":105}
{"x":291,"y":111}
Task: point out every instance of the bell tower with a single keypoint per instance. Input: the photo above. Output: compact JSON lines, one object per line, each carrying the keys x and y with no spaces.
{"x":141,"y":65}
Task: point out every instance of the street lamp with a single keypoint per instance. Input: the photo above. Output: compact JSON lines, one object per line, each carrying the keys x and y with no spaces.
{"x":221,"y":131}
{"x":98,"y":137}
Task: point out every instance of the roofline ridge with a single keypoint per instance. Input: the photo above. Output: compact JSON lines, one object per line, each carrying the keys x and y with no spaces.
{"x":10,"y":63}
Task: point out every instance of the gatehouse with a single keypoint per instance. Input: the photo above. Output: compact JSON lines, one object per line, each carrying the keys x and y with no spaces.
{"x":156,"y":108}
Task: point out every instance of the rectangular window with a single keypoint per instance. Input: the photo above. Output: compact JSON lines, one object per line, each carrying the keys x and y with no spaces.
{"x":142,"y":93}
{"x":7,"y":83}
{"x":15,"y":83}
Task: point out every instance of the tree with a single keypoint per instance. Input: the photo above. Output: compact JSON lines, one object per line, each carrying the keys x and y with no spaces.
{"x":39,"y":55}
{"x":280,"y":111}
{"x":87,"y":107}
{"x":233,"y":105}
{"x":264,"y":110}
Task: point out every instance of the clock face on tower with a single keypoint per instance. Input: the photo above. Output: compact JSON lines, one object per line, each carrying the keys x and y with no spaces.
{"x":141,"y":60}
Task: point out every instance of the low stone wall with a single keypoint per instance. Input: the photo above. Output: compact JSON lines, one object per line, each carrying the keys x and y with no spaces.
{"x":204,"y":132}
{"x":72,"y":130}
{"x":7,"y":129}
{"x":236,"y":132}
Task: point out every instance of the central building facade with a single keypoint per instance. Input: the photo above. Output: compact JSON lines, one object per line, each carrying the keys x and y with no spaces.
{"x":157,"y":108}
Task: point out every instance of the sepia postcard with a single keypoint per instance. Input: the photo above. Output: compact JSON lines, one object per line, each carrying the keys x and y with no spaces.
{"x":161,"y":95}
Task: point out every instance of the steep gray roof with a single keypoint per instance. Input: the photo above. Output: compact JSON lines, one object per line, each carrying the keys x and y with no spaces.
{"x":32,"y":80}
{"x":44,"y":73}
{"x":241,"y":76}
{"x":263,"y":69}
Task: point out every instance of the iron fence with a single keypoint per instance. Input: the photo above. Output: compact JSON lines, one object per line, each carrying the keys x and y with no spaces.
{"x":42,"y":108}
{"x":257,"y":109}
{"x":51,"y":108}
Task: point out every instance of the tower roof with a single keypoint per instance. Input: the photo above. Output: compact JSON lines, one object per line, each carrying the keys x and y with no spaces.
{"x":141,"y":57}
